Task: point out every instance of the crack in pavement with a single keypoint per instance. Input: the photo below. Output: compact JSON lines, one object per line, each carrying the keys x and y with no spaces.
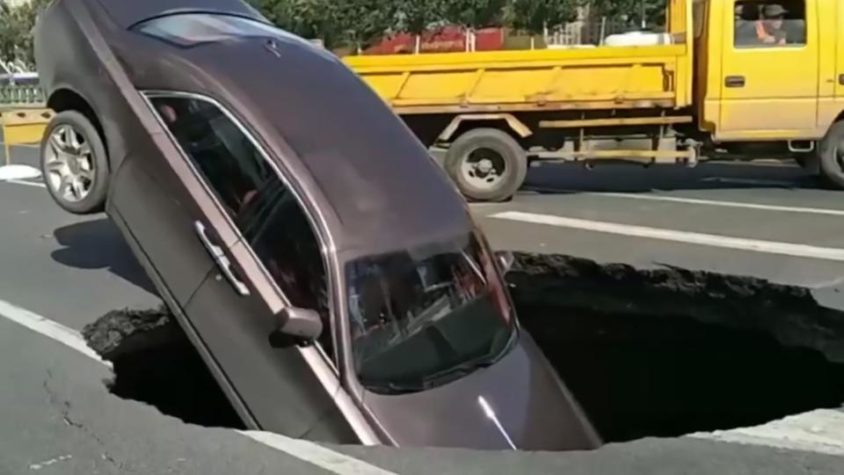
{"x":64,"y":407}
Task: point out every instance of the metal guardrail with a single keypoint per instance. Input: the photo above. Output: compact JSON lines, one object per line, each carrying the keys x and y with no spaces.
{"x":22,"y":96}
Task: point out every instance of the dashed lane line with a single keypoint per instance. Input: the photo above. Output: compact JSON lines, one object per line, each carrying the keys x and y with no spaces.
{"x":334,"y":462}
{"x":719,"y":203}
{"x":749,"y":181}
{"x":49,"y":328}
{"x":685,"y":237}
{"x":26,"y":183}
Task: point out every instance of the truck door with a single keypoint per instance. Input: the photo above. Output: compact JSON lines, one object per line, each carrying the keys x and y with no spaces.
{"x":770,"y":61}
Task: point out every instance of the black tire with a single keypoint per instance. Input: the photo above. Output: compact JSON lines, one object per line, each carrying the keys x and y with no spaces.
{"x":94,"y":200}
{"x":831,"y":156}
{"x":505,"y":152}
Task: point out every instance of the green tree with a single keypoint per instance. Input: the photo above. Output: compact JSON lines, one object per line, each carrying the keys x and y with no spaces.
{"x":363,"y":22}
{"x":534,"y":16}
{"x":16,"y":23}
{"x":415,"y":16}
{"x":630,"y":11}
{"x":306,"y":18}
{"x":336,"y":22}
{"x":475,"y":14}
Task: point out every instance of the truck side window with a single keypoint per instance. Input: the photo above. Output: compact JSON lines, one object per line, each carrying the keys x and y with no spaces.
{"x":769,"y":23}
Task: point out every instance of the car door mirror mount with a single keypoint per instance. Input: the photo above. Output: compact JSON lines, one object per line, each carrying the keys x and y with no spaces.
{"x":506,"y":259}
{"x":300,"y":323}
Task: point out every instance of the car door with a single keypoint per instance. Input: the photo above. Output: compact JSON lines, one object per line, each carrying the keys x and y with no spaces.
{"x":769,"y":90}
{"x":275,"y":261}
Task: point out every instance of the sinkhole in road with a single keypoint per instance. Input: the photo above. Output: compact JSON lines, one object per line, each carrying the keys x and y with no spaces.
{"x":641,"y":369}
{"x":154,"y":363}
{"x":661,"y":377}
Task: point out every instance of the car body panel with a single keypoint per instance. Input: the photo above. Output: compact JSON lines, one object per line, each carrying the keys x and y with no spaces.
{"x":453,"y":414}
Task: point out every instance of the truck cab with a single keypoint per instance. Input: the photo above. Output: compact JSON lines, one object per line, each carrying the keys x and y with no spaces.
{"x":769,"y":79}
{"x":767,"y":69}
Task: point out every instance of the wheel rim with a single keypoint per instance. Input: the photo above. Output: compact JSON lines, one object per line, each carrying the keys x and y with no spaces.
{"x":483,"y":168}
{"x":69,"y":164}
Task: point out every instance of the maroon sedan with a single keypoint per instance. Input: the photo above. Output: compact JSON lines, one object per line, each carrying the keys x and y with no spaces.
{"x":323,"y":265}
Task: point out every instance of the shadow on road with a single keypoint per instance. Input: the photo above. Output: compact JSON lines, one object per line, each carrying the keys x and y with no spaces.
{"x":98,"y":244}
{"x":568,"y":178}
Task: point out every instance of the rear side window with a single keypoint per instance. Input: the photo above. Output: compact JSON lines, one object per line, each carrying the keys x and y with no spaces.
{"x":230,"y":163}
{"x":191,"y":29}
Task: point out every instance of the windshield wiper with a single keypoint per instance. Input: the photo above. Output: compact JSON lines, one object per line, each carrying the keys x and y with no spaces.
{"x":459,"y":370}
{"x":391,"y":387}
{"x":470,"y":366}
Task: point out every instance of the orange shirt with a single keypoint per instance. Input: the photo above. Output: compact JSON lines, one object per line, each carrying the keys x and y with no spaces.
{"x":766,"y":37}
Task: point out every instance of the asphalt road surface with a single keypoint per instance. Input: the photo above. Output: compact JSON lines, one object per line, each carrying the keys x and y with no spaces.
{"x":59,"y":272}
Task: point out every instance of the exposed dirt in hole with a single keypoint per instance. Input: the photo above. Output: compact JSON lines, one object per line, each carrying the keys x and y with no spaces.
{"x":791,"y":314}
{"x":662,"y":377}
{"x":647,"y":353}
{"x":154,"y":363}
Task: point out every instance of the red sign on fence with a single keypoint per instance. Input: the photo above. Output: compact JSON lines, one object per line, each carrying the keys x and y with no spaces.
{"x":446,"y":40}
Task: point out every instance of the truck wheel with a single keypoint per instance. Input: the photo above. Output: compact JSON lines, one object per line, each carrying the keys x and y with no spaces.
{"x":74,"y":164}
{"x":486,"y":165}
{"x":831,"y":154}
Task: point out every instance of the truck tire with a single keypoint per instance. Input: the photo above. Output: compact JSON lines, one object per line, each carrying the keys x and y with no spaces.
{"x":486,"y":164}
{"x":831,"y":155}
{"x":74,"y":164}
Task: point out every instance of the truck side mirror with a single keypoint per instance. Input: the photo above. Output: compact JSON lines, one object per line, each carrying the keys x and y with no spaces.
{"x":300,"y":323}
{"x":506,"y":259}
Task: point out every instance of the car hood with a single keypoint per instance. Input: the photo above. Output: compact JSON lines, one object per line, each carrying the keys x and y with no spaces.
{"x":530,"y":406}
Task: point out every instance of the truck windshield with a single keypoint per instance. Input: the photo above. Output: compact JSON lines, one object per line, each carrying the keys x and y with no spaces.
{"x":426,"y":316}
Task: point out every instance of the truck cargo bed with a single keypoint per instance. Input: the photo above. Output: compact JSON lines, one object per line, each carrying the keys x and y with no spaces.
{"x":577,"y":78}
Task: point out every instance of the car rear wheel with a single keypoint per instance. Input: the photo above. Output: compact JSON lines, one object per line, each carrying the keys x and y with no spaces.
{"x":74,"y":164}
{"x":486,"y":165}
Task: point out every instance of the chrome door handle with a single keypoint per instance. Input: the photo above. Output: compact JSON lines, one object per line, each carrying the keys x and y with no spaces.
{"x":220,"y":259}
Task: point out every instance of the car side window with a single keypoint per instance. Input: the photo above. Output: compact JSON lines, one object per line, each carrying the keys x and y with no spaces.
{"x":281,"y":235}
{"x":264,"y":210}
{"x":769,"y":23}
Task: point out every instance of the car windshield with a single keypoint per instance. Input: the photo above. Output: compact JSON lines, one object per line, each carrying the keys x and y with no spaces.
{"x":426,"y":316}
{"x":190,"y":29}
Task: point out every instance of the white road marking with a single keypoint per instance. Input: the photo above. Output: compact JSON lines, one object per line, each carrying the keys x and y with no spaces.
{"x":27,"y":183}
{"x":686,"y":237}
{"x":756,"y":163}
{"x":58,"y":332}
{"x":725,"y":204}
{"x":26,"y":145}
{"x":334,"y":462}
{"x":820,"y":431}
{"x":749,"y":181}
{"x":330,"y":460}
{"x":18,"y":172}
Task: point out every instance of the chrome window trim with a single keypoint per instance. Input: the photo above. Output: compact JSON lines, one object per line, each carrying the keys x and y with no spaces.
{"x":315,"y":356}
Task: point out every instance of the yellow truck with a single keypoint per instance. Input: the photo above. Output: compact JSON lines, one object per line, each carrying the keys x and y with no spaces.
{"x":729,"y":79}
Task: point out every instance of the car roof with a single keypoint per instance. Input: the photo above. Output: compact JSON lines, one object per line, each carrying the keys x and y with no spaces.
{"x":129,"y":12}
{"x":384,"y":188}
{"x":356,"y":156}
